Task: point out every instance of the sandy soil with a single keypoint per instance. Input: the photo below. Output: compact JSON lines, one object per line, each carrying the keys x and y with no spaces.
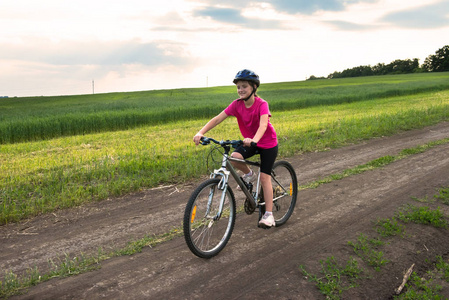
{"x":256,"y":263}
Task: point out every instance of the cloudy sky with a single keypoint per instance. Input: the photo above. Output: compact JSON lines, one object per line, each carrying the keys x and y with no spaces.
{"x":59,"y":47}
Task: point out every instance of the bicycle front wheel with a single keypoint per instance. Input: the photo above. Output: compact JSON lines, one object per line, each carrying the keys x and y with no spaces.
{"x":285,"y":191}
{"x":205,"y":230}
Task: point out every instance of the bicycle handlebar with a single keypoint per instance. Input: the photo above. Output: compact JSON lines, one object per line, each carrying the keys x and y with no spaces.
{"x":234,"y":143}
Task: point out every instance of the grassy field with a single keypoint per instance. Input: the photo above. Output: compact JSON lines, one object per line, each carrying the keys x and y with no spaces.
{"x":59,"y":152}
{"x":33,"y":119}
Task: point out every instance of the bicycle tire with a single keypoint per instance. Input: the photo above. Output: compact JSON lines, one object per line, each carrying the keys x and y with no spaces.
{"x":285,"y":191}
{"x":205,"y":234}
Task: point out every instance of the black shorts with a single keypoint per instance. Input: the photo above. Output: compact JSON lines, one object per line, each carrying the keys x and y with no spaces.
{"x":267,"y":156}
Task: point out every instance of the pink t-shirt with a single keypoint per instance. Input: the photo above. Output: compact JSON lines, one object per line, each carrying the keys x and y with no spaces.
{"x":249,"y":121}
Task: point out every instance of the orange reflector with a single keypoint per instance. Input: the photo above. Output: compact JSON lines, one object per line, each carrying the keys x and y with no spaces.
{"x":193,"y":214}
{"x":291,"y":188}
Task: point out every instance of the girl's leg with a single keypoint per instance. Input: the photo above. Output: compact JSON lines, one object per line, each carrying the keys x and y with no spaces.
{"x":241,"y":166}
{"x":267,"y":191}
{"x":267,"y":159}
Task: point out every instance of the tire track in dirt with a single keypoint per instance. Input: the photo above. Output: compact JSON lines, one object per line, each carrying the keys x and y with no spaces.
{"x":323,"y":219}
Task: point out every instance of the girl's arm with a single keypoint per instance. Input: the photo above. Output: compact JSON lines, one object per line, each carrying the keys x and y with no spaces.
{"x":211,"y":124}
{"x":263,"y":124}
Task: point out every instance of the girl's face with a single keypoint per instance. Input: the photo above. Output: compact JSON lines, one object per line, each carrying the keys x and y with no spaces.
{"x":244,"y":88}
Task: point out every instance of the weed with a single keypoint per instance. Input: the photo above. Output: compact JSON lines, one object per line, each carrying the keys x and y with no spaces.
{"x":443,"y":267}
{"x":422,"y":215}
{"x":151,"y":241}
{"x":377,"y":163}
{"x":423,"y":200}
{"x":420,"y":289}
{"x":73,"y":266}
{"x":389,"y":227}
{"x":365,"y":249}
{"x":12,"y":284}
{"x":417,"y":288}
{"x":443,"y":195}
{"x":337,"y":278}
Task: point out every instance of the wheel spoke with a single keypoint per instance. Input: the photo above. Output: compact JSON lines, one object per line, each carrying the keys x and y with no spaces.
{"x":208,"y":235}
{"x":284,"y":191}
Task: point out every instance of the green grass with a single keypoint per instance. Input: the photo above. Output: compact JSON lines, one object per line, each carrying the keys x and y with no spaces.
{"x":41,"y":176}
{"x":336,"y":278}
{"x":42,"y":118}
{"x":378,"y":163}
{"x":389,"y":227}
{"x":419,"y":289}
{"x":366,"y":249}
{"x":443,"y":268}
{"x":13,"y":284}
{"x":422,"y":215}
{"x":443,"y":195}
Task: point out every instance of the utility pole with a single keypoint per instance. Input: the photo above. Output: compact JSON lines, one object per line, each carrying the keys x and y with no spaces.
{"x":93,"y":87}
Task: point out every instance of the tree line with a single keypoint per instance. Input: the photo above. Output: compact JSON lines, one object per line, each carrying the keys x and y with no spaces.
{"x":438,"y":62}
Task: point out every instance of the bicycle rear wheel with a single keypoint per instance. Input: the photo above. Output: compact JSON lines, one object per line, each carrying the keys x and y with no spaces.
{"x":285,"y":191}
{"x":207,"y":233}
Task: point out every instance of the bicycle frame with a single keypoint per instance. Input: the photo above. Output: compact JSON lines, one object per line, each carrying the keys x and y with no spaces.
{"x":226,"y":170}
{"x":239,"y":180}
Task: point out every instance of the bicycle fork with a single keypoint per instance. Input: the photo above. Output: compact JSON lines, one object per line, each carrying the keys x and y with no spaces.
{"x":222,"y":186}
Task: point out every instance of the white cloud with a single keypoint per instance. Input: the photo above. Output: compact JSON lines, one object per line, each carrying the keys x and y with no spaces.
{"x":233,"y":16}
{"x":435,"y":15}
{"x":60,"y":46}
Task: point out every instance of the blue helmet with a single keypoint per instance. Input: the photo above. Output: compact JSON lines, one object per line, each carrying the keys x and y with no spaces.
{"x":247,"y":75}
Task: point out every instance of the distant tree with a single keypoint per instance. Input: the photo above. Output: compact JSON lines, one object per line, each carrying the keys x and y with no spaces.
{"x":402,"y":66}
{"x":395,"y":67}
{"x":352,"y":72}
{"x":438,"y":62}
{"x":357,"y":71}
{"x":313,"y":77}
{"x":379,"y":69}
{"x":334,"y":75}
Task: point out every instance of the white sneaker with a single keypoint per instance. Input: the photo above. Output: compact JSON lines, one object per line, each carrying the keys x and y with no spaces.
{"x":267,"y":221}
{"x":249,"y":178}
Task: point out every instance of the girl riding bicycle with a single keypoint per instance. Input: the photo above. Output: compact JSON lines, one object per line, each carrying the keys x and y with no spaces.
{"x":253,"y":117}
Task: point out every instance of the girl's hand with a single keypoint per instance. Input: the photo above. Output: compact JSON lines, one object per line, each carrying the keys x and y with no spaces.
{"x":197,"y":138}
{"x":247,"y":142}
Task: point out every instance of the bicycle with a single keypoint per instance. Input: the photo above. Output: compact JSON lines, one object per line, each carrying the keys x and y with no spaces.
{"x":210,"y":213}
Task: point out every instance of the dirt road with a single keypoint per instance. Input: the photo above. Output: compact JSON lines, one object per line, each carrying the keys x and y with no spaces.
{"x":256,"y":263}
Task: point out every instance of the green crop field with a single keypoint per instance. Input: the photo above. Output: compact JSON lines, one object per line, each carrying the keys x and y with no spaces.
{"x":59,"y":152}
